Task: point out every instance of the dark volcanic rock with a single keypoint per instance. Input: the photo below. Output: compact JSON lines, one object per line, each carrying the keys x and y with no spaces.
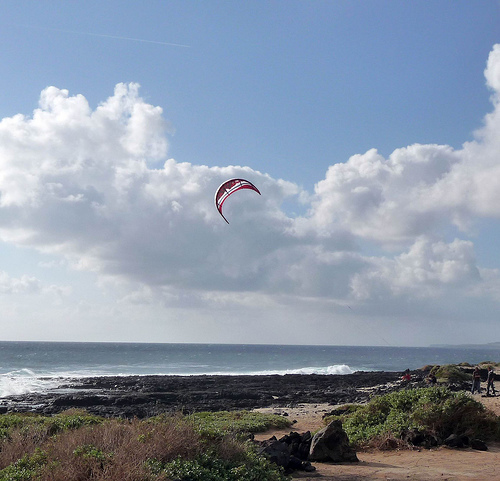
{"x":419,"y":438}
{"x":143,"y":396}
{"x":456,"y":441}
{"x":331,"y":444}
{"x":276,"y":451}
{"x":479,"y":445}
{"x":290,"y":452}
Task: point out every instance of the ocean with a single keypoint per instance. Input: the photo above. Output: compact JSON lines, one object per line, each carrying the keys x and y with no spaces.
{"x":39,"y":366}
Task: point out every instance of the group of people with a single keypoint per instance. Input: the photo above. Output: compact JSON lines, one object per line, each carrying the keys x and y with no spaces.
{"x":476,"y":381}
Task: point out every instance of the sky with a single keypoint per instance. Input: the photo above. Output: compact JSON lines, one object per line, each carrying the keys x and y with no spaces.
{"x":371,"y":129}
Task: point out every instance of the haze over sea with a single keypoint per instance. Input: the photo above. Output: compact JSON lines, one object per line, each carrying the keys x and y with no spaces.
{"x":39,"y":366}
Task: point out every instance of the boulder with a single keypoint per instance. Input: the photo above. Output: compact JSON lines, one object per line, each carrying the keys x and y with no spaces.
{"x":456,"y":441}
{"x":276,"y":451}
{"x":479,"y":445}
{"x":298,"y":444}
{"x":290,"y":452}
{"x":331,"y":444}
{"x":419,"y":438}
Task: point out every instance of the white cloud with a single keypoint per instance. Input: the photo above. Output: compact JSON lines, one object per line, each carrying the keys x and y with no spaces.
{"x":418,"y":190}
{"x":385,"y":200}
{"x":427,"y":270}
{"x":85,"y":184}
{"x":22,"y":285}
{"x":492,"y":71}
{"x":29,"y":285}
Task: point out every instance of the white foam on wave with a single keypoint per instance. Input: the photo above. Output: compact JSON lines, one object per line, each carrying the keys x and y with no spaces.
{"x":25,"y":381}
{"x":335,"y":369}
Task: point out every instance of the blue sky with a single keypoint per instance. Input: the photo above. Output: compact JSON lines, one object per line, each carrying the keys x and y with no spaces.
{"x":92,"y":243}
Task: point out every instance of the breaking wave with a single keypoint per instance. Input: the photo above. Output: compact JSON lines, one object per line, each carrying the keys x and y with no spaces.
{"x":25,"y":381}
{"x":335,"y":369}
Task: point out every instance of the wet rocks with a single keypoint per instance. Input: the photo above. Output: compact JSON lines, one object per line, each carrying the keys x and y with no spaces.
{"x":143,"y":396}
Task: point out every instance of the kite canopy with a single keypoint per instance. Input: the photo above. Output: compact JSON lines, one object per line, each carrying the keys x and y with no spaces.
{"x":230,"y":187}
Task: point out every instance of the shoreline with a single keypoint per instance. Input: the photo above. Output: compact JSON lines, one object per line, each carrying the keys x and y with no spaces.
{"x":145,"y":396}
{"x":303,"y":398}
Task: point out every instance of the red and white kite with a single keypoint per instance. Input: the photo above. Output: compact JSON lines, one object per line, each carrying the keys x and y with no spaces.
{"x":230,"y":187}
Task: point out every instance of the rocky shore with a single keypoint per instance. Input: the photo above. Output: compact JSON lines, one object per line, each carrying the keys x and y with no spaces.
{"x":144,"y":396}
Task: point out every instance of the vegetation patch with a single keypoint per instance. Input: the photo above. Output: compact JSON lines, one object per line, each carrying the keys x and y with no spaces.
{"x":46,"y":425}
{"x":450,"y":373}
{"x":26,"y":468}
{"x":76,"y":445}
{"x":231,"y":422}
{"x":207,"y":467}
{"x":435,"y":411}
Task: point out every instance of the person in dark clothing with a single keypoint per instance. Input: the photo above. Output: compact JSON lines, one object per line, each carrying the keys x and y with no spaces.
{"x":476,"y":381}
{"x":490,"y":382}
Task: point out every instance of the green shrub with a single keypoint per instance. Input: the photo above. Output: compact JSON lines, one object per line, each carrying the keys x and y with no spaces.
{"x":485,"y":364}
{"x":26,"y":468}
{"x":450,"y":373}
{"x":221,"y":423}
{"x":51,"y":424}
{"x":88,"y":451}
{"x":75,"y":419}
{"x":437,"y":411}
{"x":208,"y":467}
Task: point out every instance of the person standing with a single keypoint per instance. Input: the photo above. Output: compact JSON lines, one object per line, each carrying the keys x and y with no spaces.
{"x":476,"y":381}
{"x":490,"y":382}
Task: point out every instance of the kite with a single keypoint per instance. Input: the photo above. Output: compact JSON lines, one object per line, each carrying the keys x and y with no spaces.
{"x":230,"y":187}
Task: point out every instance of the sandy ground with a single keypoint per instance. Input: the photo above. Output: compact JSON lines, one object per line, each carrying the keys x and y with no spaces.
{"x":443,"y":463}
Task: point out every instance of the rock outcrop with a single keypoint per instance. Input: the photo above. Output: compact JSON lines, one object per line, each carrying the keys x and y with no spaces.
{"x":296,"y":451}
{"x":331,"y":444}
{"x":144,"y":396}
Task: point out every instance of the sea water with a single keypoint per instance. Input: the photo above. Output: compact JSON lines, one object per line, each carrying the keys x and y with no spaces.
{"x":40,"y":366}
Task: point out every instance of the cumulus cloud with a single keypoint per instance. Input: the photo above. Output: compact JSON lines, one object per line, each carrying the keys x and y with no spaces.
{"x":426,"y":270}
{"x":419,"y":189}
{"x":26,"y":284}
{"x":96,"y":187}
{"x":79,"y":183}
{"x":385,"y":200}
{"x":22,"y":285}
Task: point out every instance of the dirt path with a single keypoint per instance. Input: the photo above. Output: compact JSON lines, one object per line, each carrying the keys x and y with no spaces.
{"x":443,"y":463}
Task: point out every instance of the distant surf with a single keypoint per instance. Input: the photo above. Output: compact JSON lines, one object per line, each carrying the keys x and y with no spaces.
{"x":25,"y":381}
{"x":27,"y":367}
{"x":336,"y":369}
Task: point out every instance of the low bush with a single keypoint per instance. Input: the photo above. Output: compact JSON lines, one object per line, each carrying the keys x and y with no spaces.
{"x":230,"y":422}
{"x":27,"y":468}
{"x":207,"y":467}
{"x":435,"y":410}
{"x":71,"y":419}
{"x":76,"y":446}
{"x":450,"y":373}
